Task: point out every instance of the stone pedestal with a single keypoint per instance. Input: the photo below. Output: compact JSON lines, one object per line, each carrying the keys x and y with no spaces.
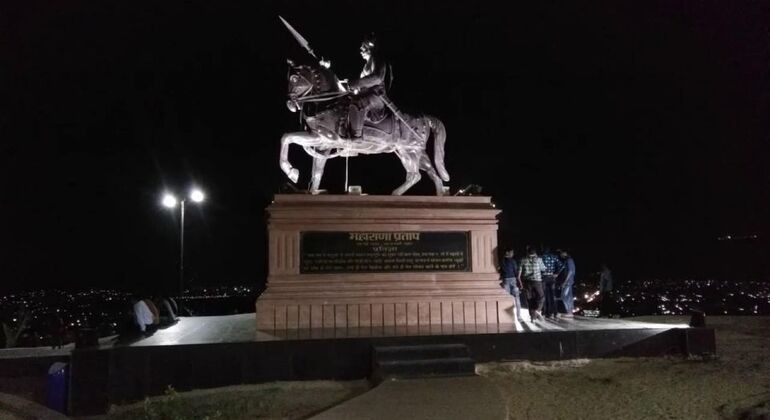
{"x":345,"y":261}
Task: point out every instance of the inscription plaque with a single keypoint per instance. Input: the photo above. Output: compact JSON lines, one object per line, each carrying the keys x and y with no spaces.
{"x":380,"y":252}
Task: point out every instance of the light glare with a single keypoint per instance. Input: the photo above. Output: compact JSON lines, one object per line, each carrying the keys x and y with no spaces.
{"x":197,"y":195}
{"x":169,"y":201}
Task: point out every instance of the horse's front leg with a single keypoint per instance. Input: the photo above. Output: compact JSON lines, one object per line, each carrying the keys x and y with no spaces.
{"x":286,"y":167}
{"x":318,"y":173}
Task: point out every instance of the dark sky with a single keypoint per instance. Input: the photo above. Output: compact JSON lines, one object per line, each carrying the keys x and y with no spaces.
{"x":632,"y":132}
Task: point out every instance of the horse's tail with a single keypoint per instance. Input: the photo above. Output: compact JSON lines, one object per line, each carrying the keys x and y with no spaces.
{"x":439,"y":138}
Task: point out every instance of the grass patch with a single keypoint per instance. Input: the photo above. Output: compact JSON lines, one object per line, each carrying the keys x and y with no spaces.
{"x":285,"y":400}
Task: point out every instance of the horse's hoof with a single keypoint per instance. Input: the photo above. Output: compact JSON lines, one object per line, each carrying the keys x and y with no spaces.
{"x":294,"y":175}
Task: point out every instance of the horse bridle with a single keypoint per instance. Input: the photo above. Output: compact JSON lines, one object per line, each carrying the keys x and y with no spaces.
{"x":303,"y":97}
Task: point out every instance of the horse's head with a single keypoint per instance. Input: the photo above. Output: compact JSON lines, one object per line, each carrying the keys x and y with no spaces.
{"x":308,"y":80}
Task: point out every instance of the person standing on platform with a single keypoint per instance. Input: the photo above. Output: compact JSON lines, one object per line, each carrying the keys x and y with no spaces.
{"x":530,"y":275}
{"x":551,"y":263}
{"x":509,"y":271}
{"x":568,"y":276}
{"x":605,"y":290}
{"x":559,"y":277}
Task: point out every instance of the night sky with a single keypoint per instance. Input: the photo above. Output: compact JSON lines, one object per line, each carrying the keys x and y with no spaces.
{"x":630,"y":132}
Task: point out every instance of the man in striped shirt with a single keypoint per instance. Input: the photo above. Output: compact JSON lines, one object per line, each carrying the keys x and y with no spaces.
{"x":530,"y":271}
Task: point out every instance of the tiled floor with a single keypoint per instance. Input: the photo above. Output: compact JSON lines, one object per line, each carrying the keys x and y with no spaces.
{"x":240,"y":328}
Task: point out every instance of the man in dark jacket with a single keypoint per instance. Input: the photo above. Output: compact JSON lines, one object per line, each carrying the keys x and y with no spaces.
{"x":509,"y":270}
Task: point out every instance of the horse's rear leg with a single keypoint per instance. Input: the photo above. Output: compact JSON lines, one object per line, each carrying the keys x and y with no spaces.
{"x":411,"y":162}
{"x":426,"y":166}
{"x":318,"y":173}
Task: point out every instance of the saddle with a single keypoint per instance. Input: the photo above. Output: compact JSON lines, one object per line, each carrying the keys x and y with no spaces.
{"x":382,"y":121}
{"x":385,"y":122}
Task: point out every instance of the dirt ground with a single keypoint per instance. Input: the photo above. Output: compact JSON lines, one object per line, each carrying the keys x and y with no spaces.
{"x":734,"y":384}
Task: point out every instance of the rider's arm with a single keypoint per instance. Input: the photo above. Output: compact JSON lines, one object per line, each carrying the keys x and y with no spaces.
{"x":376,"y":78}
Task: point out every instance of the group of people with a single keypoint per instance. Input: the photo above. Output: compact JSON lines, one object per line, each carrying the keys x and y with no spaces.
{"x":149,"y":313}
{"x":541,"y":281}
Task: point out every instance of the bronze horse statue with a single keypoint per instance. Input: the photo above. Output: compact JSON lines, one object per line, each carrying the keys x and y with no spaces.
{"x":322,"y":100}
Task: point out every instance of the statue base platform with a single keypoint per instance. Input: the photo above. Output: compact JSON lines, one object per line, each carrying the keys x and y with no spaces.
{"x":345,"y":261}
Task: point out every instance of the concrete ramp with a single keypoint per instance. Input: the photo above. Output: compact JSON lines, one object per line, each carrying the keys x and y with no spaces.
{"x":467,"y":397}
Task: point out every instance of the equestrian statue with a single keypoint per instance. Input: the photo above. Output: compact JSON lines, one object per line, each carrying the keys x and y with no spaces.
{"x":344,"y":119}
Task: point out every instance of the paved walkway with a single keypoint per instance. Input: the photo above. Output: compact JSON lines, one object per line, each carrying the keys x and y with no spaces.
{"x":465,"y":397}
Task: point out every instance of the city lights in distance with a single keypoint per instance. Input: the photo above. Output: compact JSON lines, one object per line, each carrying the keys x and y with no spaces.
{"x":738,"y":237}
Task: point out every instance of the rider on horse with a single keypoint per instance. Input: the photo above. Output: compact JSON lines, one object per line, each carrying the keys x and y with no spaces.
{"x":322,"y":137}
{"x":368,"y":89}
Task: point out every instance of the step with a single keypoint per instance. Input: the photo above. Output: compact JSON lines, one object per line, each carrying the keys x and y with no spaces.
{"x":420,"y":352}
{"x":455,"y":366}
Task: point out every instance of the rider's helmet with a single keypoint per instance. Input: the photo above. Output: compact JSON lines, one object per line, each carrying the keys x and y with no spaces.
{"x":369,"y":44}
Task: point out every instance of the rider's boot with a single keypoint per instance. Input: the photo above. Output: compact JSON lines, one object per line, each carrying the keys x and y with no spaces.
{"x":356,"y":117}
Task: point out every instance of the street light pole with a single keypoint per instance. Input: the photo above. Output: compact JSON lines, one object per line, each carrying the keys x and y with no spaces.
{"x":181,"y":249}
{"x":170,"y":201}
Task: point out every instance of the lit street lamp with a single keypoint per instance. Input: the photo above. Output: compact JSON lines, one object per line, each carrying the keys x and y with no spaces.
{"x":170,"y":201}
